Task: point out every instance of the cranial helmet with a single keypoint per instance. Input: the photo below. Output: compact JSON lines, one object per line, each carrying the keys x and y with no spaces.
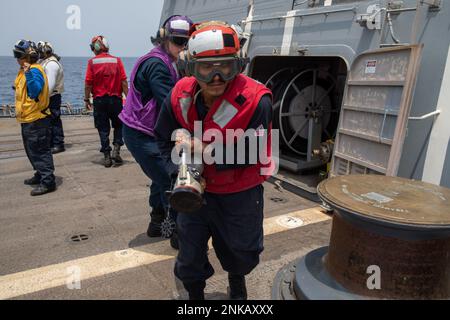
{"x":99,"y":44}
{"x":213,"y":49}
{"x":45,"y":49}
{"x":179,"y":26}
{"x":26,"y":48}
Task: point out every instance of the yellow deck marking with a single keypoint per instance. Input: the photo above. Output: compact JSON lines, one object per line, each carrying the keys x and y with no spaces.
{"x":52,"y":276}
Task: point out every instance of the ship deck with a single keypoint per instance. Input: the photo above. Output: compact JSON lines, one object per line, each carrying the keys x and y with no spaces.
{"x":107,"y":211}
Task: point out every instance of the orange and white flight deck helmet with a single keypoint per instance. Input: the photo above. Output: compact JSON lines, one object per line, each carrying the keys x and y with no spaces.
{"x":213,"y":49}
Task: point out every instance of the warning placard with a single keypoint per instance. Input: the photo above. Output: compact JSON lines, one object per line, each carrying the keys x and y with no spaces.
{"x":371,"y":66}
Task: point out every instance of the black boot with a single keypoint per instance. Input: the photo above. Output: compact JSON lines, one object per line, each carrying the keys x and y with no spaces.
{"x":237,"y":290}
{"x":58,"y":149}
{"x":33,"y":181}
{"x":42,"y":189}
{"x":108,"y":160}
{"x":116,"y":155}
{"x":157,"y":216}
{"x":174,"y":241}
{"x":195,"y":289}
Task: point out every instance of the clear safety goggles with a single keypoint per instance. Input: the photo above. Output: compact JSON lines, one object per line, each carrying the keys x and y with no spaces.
{"x":206,"y":69}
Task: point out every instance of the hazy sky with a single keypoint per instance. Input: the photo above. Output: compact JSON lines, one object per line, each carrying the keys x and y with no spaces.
{"x":70,"y":24}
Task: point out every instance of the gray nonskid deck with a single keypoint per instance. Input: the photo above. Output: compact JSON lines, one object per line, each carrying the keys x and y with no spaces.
{"x":110,"y":206}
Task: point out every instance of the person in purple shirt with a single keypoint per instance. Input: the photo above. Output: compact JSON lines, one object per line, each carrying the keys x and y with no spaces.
{"x":152,"y":78}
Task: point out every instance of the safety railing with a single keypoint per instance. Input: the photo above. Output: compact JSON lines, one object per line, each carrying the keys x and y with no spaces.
{"x":9,"y":111}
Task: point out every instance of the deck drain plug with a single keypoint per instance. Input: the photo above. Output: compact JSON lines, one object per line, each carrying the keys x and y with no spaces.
{"x":79,"y":238}
{"x":278,"y":200}
{"x":290,"y":222}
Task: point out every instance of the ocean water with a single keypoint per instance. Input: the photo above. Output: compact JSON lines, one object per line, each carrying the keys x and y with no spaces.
{"x":74,"y":73}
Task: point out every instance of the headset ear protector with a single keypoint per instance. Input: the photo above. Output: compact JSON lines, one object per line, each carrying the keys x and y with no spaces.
{"x":46,"y":49}
{"x":34,"y":54}
{"x":162,"y":32}
{"x":182,"y":63}
{"x":98,"y":44}
{"x":95,"y":46}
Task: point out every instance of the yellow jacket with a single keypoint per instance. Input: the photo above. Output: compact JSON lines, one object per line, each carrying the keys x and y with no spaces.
{"x":27,"y":109}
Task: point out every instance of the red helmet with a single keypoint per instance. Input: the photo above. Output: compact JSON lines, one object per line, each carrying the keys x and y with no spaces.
{"x":213,"y":41}
{"x":99,"y":44}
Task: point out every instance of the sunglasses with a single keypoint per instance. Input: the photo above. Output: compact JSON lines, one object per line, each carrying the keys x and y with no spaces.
{"x":179,"y":41}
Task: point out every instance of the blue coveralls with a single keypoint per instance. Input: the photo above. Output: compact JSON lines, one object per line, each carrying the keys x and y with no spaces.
{"x":57,"y":127}
{"x":153,"y":80}
{"x":234,"y":221}
{"x":36,"y":136}
{"x":106,"y":113}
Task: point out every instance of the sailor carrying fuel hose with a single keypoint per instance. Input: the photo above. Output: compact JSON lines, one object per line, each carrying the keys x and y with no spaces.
{"x":216,"y":107}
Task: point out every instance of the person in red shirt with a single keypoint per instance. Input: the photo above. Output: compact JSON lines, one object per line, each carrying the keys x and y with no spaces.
{"x":106,"y":81}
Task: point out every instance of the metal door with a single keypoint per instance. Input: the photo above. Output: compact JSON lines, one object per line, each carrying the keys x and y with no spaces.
{"x":375,"y":110}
